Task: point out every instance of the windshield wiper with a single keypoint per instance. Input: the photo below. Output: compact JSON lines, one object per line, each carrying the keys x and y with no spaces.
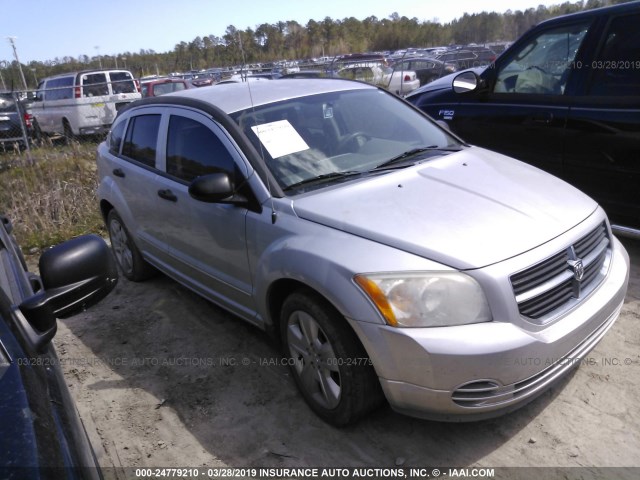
{"x":323,"y":178}
{"x":413,"y":152}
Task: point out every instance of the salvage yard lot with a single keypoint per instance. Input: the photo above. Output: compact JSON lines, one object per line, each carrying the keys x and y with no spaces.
{"x":161,"y":377}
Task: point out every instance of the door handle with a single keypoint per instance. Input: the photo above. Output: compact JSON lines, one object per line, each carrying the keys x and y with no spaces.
{"x":167,"y":195}
{"x":118,"y":173}
{"x":545,"y":118}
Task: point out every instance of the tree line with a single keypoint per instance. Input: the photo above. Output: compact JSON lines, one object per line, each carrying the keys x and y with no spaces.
{"x":291,"y":40}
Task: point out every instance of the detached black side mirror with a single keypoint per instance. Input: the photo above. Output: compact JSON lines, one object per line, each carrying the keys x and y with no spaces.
{"x":75,"y":275}
{"x":215,"y":188}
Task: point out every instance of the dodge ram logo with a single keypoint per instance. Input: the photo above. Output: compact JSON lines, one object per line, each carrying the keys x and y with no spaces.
{"x":578,"y":269}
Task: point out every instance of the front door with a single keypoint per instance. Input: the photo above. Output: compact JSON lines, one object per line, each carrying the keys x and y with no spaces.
{"x":206,"y":241}
{"x":523,"y":109}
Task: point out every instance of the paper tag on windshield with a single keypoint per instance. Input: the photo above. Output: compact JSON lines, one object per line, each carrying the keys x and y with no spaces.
{"x":280,"y":138}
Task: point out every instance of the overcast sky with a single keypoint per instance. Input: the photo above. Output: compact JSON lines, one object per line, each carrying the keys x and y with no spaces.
{"x":46,"y":29}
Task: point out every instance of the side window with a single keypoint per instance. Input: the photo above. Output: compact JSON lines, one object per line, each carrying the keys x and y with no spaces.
{"x":40,"y":92}
{"x":543,"y":64}
{"x":194,"y":150}
{"x":115,"y":138}
{"x":616,"y":70}
{"x":59,"y":89}
{"x":142,"y":138}
{"x":94,"y":85}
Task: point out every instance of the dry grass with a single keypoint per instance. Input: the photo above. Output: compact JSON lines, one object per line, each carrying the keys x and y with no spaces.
{"x":52,"y":198}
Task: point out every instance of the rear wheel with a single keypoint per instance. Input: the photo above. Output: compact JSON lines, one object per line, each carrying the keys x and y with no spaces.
{"x":128,"y":257}
{"x":329,"y":365}
{"x":36,"y":138}
{"x":68,"y":133}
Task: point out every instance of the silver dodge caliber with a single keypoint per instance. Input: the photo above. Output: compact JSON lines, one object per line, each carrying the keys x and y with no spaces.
{"x":391,"y":259}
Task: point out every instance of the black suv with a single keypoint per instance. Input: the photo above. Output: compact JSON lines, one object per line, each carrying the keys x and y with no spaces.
{"x":41,"y":436}
{"x":566,"y":98}
{"x":16,"y":125}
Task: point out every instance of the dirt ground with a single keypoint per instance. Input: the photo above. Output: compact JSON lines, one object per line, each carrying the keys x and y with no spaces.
{"x":163,"y":378}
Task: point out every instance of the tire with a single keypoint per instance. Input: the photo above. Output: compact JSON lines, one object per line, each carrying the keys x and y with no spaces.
{"x":327,"y":360}
{"x":128,"y":257}
{"x":36,"y":137}
{"x":68,"y":133}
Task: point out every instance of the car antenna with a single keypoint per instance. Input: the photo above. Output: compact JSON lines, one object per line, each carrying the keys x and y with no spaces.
{"x":274,"y":213}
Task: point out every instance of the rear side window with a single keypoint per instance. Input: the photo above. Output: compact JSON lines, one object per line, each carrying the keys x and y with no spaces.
{"x":616,"y":71}
{"x":141,"y":139}
{"x":115,"y":138}
{"x":194,"y":150}
{"x":122,"y":82}
{"x":95,"y":84}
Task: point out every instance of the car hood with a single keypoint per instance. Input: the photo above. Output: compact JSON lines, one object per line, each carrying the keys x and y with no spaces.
{"x":466,"y":210}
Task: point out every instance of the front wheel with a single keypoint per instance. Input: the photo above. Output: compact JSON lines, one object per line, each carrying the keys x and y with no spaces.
{"x":128,"y":257}
{"x":329,"y":365}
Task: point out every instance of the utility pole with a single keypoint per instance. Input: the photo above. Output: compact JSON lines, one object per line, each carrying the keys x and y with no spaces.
{"x":97,"y":47}
{"x":15,"y":54}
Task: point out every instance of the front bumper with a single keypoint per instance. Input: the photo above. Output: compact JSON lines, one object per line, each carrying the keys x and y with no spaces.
{"x":480,"y":371}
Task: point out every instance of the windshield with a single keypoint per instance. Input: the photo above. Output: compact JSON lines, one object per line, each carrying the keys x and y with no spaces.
{"x":334,"y":136}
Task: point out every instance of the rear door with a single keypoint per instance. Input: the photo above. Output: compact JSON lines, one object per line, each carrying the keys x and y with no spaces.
{"x":95,"y":107}
{"x":123,"y":89}
{"x":602,"y":156}
{"x":134,"y":171}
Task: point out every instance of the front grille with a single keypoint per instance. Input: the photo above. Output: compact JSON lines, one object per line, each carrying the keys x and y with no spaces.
{"x":548,"y":286}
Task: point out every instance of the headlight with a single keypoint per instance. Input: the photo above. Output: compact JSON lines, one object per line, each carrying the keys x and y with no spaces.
{"x":438,"y":299}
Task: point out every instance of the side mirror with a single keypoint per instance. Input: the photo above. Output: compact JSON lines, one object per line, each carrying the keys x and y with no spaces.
{"x":75,"y":275}
{"x":465,"y":82}
{"x":212,"y":188}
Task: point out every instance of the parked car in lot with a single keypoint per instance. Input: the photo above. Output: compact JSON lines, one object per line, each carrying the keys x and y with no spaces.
{"x":374,"y":69}
{"x":162,"y":86}
{"x":305,"y":74}
{"x":467,"y":57}
{"x":391,"y":259}
{"x":396,"y":81}
{"x":203,"y":79}
{"x":427,"y":69}
{"x":566,"y":98}
{"x":241,"y":78}
{"x":16,"y":123}
{"x":82,"y":103}
{"x":41,"y":435}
